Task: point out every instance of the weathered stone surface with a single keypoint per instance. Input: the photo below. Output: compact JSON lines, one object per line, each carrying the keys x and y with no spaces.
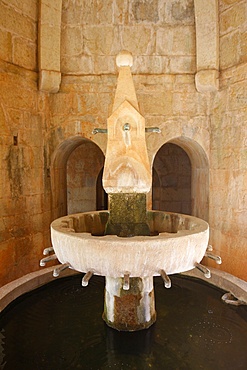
{"x":145,"y":11}
{"x":6,"y":45}
{"x":243,"y":47}
{"x":159,"y":103}
{"x":71,"y":41}
{"x":80,"y":65}
{"x":209,"y":126}
{"x":176,"y":41}
{"x":26,"y":7}
{"x":207,"y":45}
{"x":24,"y":53}
{"x":233,"y":18}
{"x":17,"y":23}
{"x":132,"y":309}
{"x":137,"y":38}
{"x":232,"y":33}
{"x":182,"y":64}
{"x":229,"y":55}
{"x":49,"y":81}
{"x":207,"y":80}
{"x":181,"y":11}
{"x":158,"y":63}
{"x":140,"y":255}
{"x":49,"y":48}
{"x":98,"y":40}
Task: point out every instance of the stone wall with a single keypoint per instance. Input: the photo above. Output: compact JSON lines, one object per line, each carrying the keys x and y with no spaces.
{"x":24,"y":192}
{"x":228,"y":168}
{"x":228,"y":160}
{"x":39,"y":131}
{"x":161,"y":34}
{"x":18,"y":32}
{"x":233,"y":28}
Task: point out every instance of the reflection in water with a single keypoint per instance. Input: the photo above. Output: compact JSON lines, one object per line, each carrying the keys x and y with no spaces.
{"x":59,"y":326}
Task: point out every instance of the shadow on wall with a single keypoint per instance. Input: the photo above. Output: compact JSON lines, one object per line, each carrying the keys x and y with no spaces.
{"x":181,"y":178}
{"x":172,"y":180}
{"x":101,"y":195}
{"x":77,"y":164}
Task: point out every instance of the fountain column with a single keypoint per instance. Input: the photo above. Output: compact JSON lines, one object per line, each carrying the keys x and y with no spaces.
{"x":129,"y":300}
{"x":132,"y":309}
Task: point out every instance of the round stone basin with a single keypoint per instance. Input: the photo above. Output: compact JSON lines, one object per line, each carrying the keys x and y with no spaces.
{"x":179,"y":242}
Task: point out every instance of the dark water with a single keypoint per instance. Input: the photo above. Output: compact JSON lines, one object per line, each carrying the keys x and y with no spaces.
{"x":59,"y":326}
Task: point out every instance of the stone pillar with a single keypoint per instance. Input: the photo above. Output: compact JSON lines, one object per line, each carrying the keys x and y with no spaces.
{"x":207,"y":45}
{"x":132,"y":309}
{"x":128,"y":215}
{"x":49,"y":45}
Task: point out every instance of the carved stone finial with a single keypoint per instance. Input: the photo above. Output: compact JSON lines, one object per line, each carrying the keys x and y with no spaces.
{"x":124,"y":59}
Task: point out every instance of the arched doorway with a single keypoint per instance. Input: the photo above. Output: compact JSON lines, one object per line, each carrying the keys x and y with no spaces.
{"x":75,"y":168}
{"x":172,"y":180}
{"x":83,"y":167}
{"x":190,"y":186}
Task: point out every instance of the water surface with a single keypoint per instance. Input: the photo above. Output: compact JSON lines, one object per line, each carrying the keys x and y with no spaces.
{"x":59,"y":326}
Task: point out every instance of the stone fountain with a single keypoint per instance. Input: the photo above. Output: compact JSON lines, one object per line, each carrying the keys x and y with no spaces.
{"x":128,"y":244}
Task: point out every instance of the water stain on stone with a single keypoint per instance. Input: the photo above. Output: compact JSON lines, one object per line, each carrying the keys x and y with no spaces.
{"x":14,"y":161}
{"x":182,"y":11}
{"x":146,"y":10}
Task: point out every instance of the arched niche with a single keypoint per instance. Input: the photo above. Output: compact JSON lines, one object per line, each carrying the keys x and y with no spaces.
{"x":171,"y":189}
{"x":199,"y":187}
{"x":75,"y":167}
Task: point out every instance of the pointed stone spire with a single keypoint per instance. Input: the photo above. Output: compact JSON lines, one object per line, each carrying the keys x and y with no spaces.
{"x":125,"y":86}
{"x":127,"y":167}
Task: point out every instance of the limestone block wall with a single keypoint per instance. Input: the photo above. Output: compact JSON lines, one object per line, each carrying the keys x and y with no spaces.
{"x":228,"y":159}
{"x":40,"y":130}
{"x":161,"y":34}
{"x":233,"y":41}
{"x":24,"y":187}
{"x":18,"y":32}
{"x":24,"y":191}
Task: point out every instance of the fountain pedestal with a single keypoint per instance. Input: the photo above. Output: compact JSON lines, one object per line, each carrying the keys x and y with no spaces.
{"x":132,"y":309}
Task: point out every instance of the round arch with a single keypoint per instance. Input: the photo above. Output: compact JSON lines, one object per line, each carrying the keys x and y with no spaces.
{"x":58,"y":171}
{"x":199,"y":174}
